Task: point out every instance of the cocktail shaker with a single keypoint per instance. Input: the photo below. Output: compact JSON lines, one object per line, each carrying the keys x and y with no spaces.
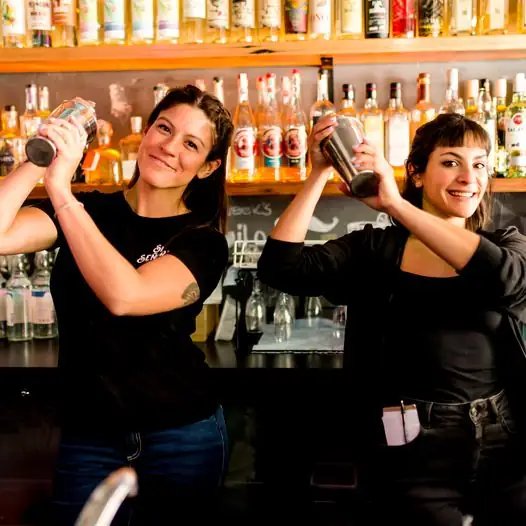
{"x":41,"y":150}
{"x":338,"y":150}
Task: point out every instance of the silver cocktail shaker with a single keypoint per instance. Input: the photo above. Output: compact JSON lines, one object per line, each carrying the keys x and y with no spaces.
{"x":338,"y":150}
{"x":41,"y":150}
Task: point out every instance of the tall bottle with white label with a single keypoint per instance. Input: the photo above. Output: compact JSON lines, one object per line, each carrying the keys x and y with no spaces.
{"x":350,"y":19}
{"x":320,"y":19}
{"x":167,"y":21}
{"x":243,"y":152}
{"x":494,"y":17}
{"x":43,"y":316}
{"x":243,"y":21}
{"x":114,"y":21}
{"x":462,"y":17}
{"x":372,"y":118}
{"x":396,"y":130}
{"x":516,"y":129}
{"x":90,"y":16}
{"x":270,"y":17}
{"x":13,"y":28}
{"x":194,"y":21}
{"x":39,"y":23}
{"x":142,"y":21}
{"x":218,"y":21}
{"x":18,"y":302}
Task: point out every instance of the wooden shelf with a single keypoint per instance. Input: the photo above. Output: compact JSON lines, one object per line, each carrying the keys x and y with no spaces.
{"x":254,"y":189}
{"x":309,"y":53}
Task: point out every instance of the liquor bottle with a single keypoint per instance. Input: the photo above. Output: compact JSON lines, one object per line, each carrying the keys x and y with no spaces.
{"x":142,"y":21}
{"x":255,"y":310}
{"x":494,"y":17}
{"x":90,"y":16}
{"x":350,"y":19}
{"x":396,"y":130}
{"x":323,"y":105}
{"x":194,"y":21}
{"x":501,"y":157}
{"x":423,"y":111}
{"x":372,"y":118}
{"x":403,"y":19}
{"x":463,"y":17}
{"x":320,"y":19}
{"x":64,"y":23}
{"x":102,"y":163}
{"x":377,"y":18}
{"x":348,"y":104}
{"x":296,"y":19}
{"x":43,"y":103}
{"x":129,"y":147}
{"x":8,"y":133}
{"x":270,"y":26}
{"x":243,"y":153}
{"x":243,"y":21}
{"x":471,"y":96}
{"x":43,"y":316}
{"x":30,"y":120}
{"x":218,"y":21}
{"x":39,"y":23}
{"x":295,"y":134}
{"x":13,"y":27}
{"x":516,"y":129}
{"x":219,"y":91}
{"x":270,"y":135}
{"x":431,"y":14}
{"x":486,"y":116}
{"x":18,"y":302}
{"x":159,"y":92}
{"x":114,"y":21}
{"x":451,"y":103}
{"x":167,"y":21}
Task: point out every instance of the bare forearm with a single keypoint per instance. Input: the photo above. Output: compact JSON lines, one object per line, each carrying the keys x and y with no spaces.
{"x":455,"y":245}
{"x":15,"y":189}
{"x":105,"y":270}
{"x":294,"y":222}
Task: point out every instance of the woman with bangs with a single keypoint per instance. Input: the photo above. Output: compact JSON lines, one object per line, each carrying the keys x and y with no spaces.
{"x":442,"y":353}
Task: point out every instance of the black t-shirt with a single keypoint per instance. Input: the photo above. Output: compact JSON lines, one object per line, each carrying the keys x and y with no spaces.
{"x":134,"y":372}
{"x":441,"y":346}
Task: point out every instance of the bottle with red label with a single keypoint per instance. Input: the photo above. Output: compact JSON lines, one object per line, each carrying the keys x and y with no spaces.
{"x":403,"y":19}
{"x":243,"y":152}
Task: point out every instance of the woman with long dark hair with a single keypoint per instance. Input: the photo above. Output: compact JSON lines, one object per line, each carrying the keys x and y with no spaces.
{"x":133,"y":271}
{"x":433,"y":353}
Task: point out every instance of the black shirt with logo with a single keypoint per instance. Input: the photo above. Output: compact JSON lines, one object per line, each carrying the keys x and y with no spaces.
{"x":134,"y":372}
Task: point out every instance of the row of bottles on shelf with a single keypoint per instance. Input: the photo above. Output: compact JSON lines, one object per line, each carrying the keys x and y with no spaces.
{"x":26,"y":306}
{"x":68,"y":23}
{"x":270,"y":137}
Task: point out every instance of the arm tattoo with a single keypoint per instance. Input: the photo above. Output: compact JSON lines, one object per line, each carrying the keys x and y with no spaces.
{"x":191,"y":294}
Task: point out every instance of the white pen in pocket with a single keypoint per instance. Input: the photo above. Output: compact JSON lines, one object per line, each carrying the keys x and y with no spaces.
{"x":401,"y":424}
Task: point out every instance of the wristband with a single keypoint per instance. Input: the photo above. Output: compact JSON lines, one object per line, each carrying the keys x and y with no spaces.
{"x":68,"y":205}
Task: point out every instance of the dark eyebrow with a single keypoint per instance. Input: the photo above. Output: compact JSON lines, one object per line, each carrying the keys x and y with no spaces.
{"x":460,"y":158}
{"x":189,"y":135}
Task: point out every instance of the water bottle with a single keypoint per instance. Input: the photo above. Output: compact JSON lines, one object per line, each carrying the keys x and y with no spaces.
{"x":255,"y":309}
{"x":18,"y":302}
{"x":282,"y":320}
{"x":43,"y":314}
{"x":313,"y":311}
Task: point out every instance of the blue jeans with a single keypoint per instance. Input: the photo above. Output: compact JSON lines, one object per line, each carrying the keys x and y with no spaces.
{"x":467,"y":459}
{"x":179,"y":470}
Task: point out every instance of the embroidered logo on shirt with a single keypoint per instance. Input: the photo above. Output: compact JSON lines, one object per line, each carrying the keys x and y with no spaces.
{"x":158,"y":251}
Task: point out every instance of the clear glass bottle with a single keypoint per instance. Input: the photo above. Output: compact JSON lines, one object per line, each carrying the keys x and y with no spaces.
{"x":471,"y":94}
{"x":397,"y":131}
{"x":339,"y":319}
{"x":501,"y":158}
{"x":114,"y":21}
{"x":255,"y":310}
{"x":218,"y":21}
{"x":43,"y":103}
{"x":270,"y":17}
{"x":423,"y":111}
{"x":102,"y":164}
{"x":322,"y":106}
{"x":451,"y":103}
{"x":8,"y":134}
{"x":494,"y":16}
{"x":463,"y":17}
{"x":13,"y":27}
{"x":89,"y":22}
{"x":348,"y":103}
{"x":18,"y":302}
{"x":142,"y":21}
{"x":243,"y":153}
{"x":283,"y":320}
{"x":372,"y":118}
{"x":167,"y":21}
{"x":43,"y":316}
{"x":296,"y":19}
{"x":350,"y":19}
{"x":39,"y":23}
{"x":30,"y":120}
{"x":64,"y":23}
{"x":486,"y":116}
{"x":129,"y":147}
{"x":243,"y":21}
{"x":313,"y":311}
{"x":294,"y":134}
{"x":516,"y":129}
{"x":194,"y":21}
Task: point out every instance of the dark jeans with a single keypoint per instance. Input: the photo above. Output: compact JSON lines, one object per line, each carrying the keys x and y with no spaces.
{"x":179,"y":471}
{"x":467,"y":459}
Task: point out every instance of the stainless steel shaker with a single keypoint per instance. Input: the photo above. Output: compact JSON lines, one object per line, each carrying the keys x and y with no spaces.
{"x":41,"y":150}
{"x":338,"y":150}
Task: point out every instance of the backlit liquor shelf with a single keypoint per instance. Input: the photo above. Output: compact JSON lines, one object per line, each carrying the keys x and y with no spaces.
{"x":249,"y":189}
{"x":297,"y":54}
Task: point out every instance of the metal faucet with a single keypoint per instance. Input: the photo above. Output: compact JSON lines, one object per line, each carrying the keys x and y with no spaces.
{"x":107,"y":497}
